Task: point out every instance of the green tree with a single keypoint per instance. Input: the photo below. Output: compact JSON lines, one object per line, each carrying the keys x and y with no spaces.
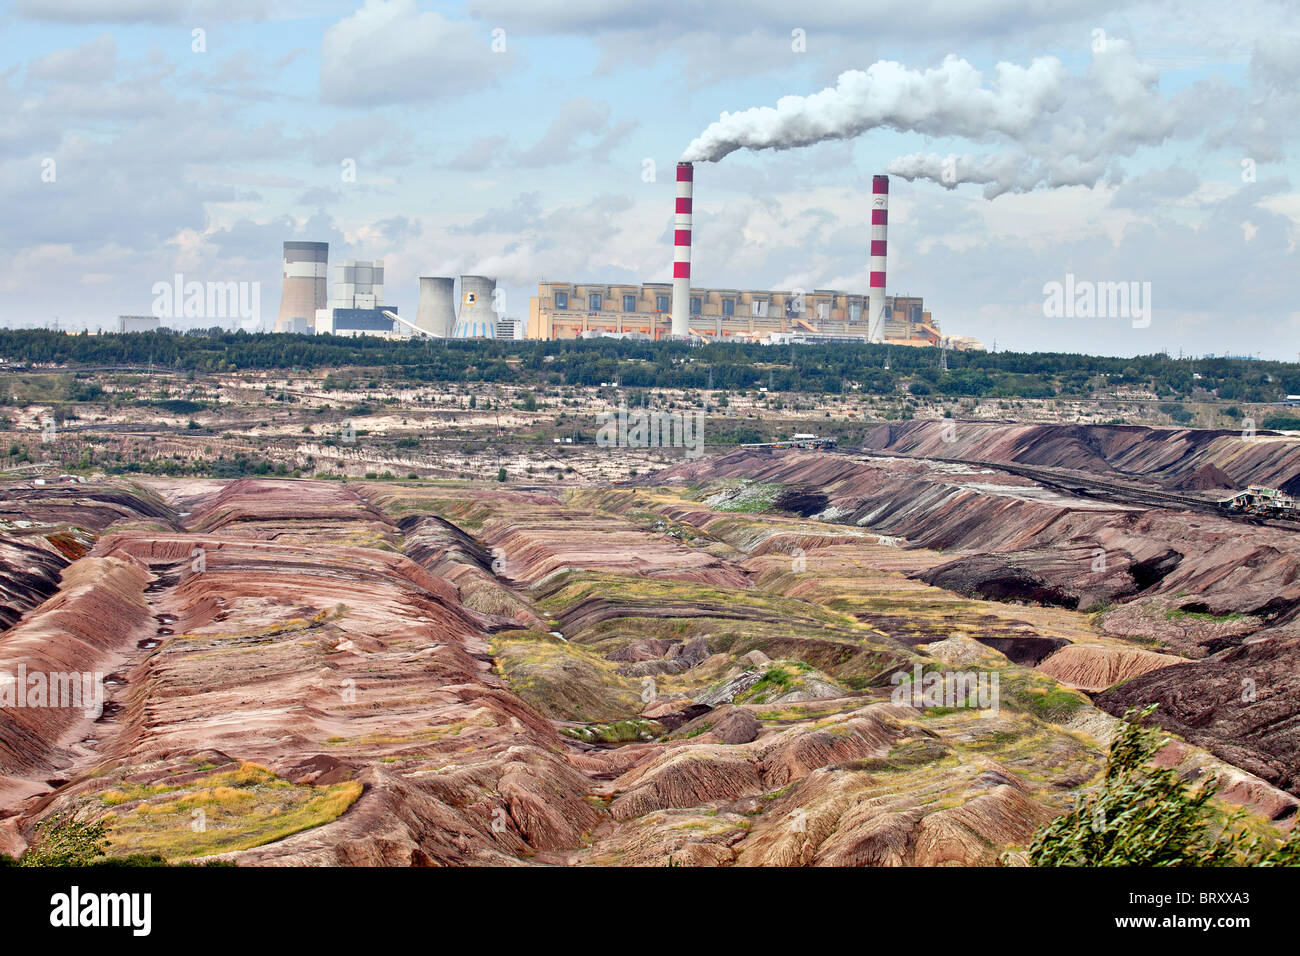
{"x":501,"y":473}
{"x":1144,"y":815}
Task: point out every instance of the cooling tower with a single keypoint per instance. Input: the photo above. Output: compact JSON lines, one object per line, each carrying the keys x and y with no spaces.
{"x":879,"y":226}
{"x":305,"y":285}
{"x":437,"y":312}
{"x":682,"y":251}
{"x":477,"y":317}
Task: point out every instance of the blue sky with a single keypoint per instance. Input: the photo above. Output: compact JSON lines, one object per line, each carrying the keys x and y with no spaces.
{"x":528,"y":163}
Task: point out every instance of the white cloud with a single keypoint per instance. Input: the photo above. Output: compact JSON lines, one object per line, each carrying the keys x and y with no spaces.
{"x":391,"y":52}
{"x":95,"y":61}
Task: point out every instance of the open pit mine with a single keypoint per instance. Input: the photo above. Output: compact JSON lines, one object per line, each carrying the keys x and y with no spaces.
{"x":700,"y":666}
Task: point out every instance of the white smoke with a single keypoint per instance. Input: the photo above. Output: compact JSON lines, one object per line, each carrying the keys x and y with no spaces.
{"x":1056,"y":129}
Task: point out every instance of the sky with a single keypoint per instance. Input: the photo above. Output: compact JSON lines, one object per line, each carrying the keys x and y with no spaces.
{"x":1154,"y":142}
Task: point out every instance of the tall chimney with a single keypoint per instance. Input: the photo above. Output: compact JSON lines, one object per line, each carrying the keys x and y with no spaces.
{"x":682,"y":251}
{"x":879,"y":227}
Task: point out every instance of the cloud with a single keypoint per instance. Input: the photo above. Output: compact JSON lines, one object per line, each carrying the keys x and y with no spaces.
{"x":93,"y":62}
{"x":718,"y":41}
{"x":841,"y":17}
{"x":101,"y":11}
{"x":391,"y":52}
{"x":397,"y":229}
{"x":319,"y":196}
{"x":141,"y":11}
{"x":523,"y":215}
{"x":1155,"y":188}
{"x":578,"y":118}
{"x":481,"y":153}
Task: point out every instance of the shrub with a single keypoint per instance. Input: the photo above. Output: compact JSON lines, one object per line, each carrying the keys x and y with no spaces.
{"x":66,"y":842}
{"x":1143,"y":815}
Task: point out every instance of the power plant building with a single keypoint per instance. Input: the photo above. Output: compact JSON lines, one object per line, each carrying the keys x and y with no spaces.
{"x":305,"y":270}
{"x":358,"y":322}
{"x":566,"y":310}
{"x":356,"y":306}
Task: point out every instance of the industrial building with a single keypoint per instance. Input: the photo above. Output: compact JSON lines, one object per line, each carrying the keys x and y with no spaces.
{"x":565,"y":310}
{"x":356,"y":305}
{"x":304,"y":268}
{"x":511,"y":328}
{"x":656,"y":310}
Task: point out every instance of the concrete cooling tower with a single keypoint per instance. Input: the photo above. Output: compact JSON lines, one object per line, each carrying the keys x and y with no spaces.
{"x":305,"y":289}
{"x":477,"y":318}
{"x":437,"y":311}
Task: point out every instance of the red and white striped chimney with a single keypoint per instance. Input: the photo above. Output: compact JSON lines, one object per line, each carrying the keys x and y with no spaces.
{"x":879,"y":228}
{"x":682,"y":251}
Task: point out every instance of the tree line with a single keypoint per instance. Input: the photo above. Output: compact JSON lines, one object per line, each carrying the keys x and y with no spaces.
{"x":822,"y":368}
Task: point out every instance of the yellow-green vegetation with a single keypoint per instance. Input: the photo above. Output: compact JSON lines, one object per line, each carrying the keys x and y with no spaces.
{"x":657,"y":523}
{"x":563,"y":681}
{"x":222,"y":812}
{"x":1181,"y":614}
{"x":446,"y":500}
{"x":1049,"y":758}
{"x":789,"y":677}
{"x":750,"y":497}
{"x":569,"y":589}
{"x":809,"y":710}
{"x":290,"y":625}
{"x":424,"y":735}
{"x":1036,"y":694}
{"x":616,"y":732}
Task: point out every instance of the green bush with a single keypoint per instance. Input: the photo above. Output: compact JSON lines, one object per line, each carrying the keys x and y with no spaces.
{"x":1143,"y":815}
{"x":66,"y":842}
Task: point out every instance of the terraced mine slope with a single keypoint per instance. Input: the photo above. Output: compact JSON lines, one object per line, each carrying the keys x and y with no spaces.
{"x":698,"y":670}
{"x":1178,"y":458}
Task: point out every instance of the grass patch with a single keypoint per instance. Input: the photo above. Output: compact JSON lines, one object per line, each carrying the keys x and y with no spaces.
{"x":233,"y":810}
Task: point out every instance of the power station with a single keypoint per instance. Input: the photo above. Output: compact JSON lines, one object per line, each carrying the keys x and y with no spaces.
{"x":659,"y":310}
{"x":651,"y":310}
{"x":355,"y":303}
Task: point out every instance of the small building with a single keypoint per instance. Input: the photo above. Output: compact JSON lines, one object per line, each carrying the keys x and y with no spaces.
{"x":510,"y":328}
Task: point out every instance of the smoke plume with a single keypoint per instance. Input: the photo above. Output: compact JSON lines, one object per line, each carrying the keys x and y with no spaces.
{"x":1045,"y":126}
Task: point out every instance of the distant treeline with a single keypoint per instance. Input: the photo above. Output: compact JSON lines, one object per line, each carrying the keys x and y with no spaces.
{"x":830,"y":368}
